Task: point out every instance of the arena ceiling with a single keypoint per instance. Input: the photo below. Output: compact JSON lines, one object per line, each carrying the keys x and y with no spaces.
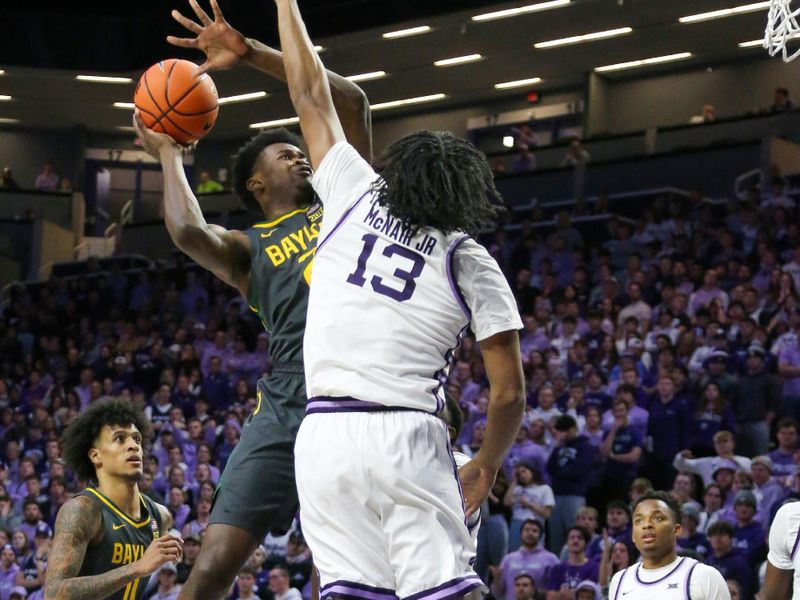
{"x":44,"y":48}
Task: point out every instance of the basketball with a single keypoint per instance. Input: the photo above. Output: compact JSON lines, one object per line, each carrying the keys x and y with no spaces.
{"x":173,"y":99}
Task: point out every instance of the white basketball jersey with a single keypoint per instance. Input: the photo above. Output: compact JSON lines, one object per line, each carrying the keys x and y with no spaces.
{"x":386,"y":307}
{"x":683,"y":579}
{"x":784,"y":542}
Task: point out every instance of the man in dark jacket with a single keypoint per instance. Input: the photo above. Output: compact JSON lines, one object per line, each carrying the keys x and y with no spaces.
{"x":572,"y":464}
{"x":756,"y":400}
{"x":668,"y":427}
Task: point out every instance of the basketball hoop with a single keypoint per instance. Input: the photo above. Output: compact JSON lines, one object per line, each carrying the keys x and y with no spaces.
{"x":782,"y":26}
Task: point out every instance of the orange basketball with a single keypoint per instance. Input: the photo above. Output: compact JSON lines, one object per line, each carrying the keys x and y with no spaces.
{"x":172,"y":99}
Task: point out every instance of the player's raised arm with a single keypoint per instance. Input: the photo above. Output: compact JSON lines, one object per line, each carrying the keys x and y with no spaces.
{"x":308,"y":84}
{"x":225,"y":253}
{"x":79,"y":521}
{"x":226,"y":47}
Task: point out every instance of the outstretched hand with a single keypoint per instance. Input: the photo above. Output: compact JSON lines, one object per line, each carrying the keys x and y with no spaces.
{"x":223,"y":46}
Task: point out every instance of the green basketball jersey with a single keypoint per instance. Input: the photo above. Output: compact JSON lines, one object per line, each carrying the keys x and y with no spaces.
{"x":280,"y":272}
{"x":124,"y":541}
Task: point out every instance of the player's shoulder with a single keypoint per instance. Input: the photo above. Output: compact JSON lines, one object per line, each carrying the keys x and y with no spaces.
{"x":706,"y":582}
{"x":788,"y":511}
{"x":79,"y":516}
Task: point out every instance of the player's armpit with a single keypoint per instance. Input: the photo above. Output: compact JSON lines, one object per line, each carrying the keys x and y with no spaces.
{"x":224,"y":252}
{"x":78,"y":522}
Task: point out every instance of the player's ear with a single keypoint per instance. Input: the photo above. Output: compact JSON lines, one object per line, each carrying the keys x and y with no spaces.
{"x":255,"y":184}
{"x":94,"y":456}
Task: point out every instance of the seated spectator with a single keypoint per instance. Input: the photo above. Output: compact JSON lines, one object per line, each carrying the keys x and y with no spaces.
{"x":531,"y":559}
{"x":689,"y":537}
{"x":618,"y":529}
{"x":783,"y":465}
{"x":622,"y":449}
{"x":749,"y":537}
{"x":525,"y":588}
{"x":768,"y":492}
{"x":529,"y":498}
{"x":707,"y":467}
{"x":279,"y":585}
{"x":576,"y":155}
{"x":565,"y":576}
{"x":524,"y":160}
{"x":712,"y":505}
{"x":713,"y":414}
{"x":781,"y":102}
{"x":207,"y":185}
{"x":727,"y":559}
{"x":47,"y":180}
{"x":8,"y":569}
{"x":191,"y":548}
{"x":588,"y":590}
{"x":246,"y":584}
{"x":7,"y":180}
{"x":616,"y":557}
{"x":167,"y":580}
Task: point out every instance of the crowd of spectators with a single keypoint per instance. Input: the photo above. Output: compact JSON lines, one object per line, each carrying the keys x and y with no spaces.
{"x":665,"y":357}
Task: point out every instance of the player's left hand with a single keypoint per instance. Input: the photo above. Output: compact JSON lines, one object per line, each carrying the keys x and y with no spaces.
{"x":152,"y":141}
{"x":476,"y":483}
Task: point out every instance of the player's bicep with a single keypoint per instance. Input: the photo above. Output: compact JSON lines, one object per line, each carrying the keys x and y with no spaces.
{"x":777,"y":583}
{"x":227,"y":255}
{"x":77,"y":523}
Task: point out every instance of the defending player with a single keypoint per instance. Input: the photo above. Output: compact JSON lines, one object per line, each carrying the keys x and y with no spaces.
{"x":662,"y":574}
{"x":396,"y":279}
{"x":270,"y":265}
{"x":109,"y":538}
{"x":783,"y":560}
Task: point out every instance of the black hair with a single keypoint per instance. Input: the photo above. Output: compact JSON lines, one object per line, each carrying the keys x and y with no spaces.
{"x":619,"y":504}
{"x":434,"y":179}
{"x":564,"y":423}
{"x":452,"y":416}
{"x":666,"y":498}
{"x":525,"y":576}
{"x":587,"y":537}
{"x":534,"y":522}
{"x":245,"y":161}
{"x":720,"y":528}
{"x":80,"y":436}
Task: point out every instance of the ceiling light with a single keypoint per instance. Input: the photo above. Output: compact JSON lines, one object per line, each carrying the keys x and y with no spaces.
{"x":644,"y":62}
{"x":518,"y":83}
{"x":319,"y":48}
{"x":4,"y":97}
{"x":6,"y":120}
{"x":275,"y":123}
{"x":124,"y":105}
{"x":406,"y":102}
{"x":2,"y":72}
{"x":508,"y":141}
{"x":457,"y":60}
{"x":406,"y":32}
{"x":367,"y":76}
{"x":242,"y":97}
{"x":125,"y":128}
{"x":588,"y":37}
{"x":760,"y":42}
{"x":725,"y":12}
{"x":513,"y":12}
{"x":103,"y":79}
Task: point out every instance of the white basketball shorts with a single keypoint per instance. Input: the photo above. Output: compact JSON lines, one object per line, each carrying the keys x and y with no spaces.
{"x":381,"y":507}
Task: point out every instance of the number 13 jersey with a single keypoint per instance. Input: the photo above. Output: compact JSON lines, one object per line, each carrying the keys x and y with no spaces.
{"x":387,"y":303}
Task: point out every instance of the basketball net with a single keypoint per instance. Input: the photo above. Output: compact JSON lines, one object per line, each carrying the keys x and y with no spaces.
{"x":782,"y":26}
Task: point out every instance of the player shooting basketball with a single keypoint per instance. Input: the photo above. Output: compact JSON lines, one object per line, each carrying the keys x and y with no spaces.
{"x":257,"y":492}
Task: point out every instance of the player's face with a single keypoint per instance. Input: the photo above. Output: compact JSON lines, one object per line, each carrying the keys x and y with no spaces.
{"x":654,"y":530}
{"x":283,"y":168}
{"x":117,"y":451}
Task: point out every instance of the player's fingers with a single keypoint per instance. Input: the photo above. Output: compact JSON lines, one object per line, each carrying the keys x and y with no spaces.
{"x":217,"y":12}
{"x":182,"y":42}
{"x":201,"y":14}
{"x":186,"y":22}
{"x":206,"y":66}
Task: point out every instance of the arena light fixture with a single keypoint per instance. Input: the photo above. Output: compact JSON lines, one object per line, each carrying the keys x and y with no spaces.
{"x":391,"y":35}
{"x":128,"y":105}
{"x":275,"y":123}
{"x":508,"y":141}
{"x":125,"y":128}
{"x":2,"y":72}
{"x":242,"y":97}
{"x":457,"y":60}
{"x":725,"y":12}
{"x":515,"y":12}
{"x":407,"y":101}
{"x":587,"y":37}
{"x":7,"y":120}
{"x":644,"y":62}
{"x":319,"y":48}
{"x":518,"y":83}
{"x":760,"y":41}
{"x":4,"y":97}
{"x":103,"y":79}
{"x":367,"y":76}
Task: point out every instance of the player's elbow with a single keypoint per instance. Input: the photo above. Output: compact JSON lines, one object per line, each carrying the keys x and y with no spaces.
{"x":509,"y":397}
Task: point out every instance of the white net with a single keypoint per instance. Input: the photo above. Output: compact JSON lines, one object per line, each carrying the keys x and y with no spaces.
{"x":782,"y":27}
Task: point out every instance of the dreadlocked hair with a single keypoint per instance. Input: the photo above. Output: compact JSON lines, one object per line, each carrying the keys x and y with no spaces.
{"x":80,"y":436}
{"x":434,"y":179}
{"x":245,"y":161}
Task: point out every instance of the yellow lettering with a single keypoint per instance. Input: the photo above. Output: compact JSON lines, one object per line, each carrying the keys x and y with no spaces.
{"x":288,"y":247}
{"x":275,"y":255}
{"x":116,"y":557}
{"x":307,"y":271}
{"x":314,"y":231}
{"x":297,"y":236}
{"x":128,"y":558}
{"x":138,"y":551}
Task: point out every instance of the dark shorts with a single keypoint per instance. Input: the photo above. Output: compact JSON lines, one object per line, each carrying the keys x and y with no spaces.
{"x":257,"y":489}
